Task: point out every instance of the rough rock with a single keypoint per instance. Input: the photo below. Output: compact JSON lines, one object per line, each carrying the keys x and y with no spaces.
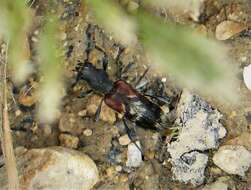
{"x":233,"y":159}
{"x":54,"y":168}
{"x":134,"y":156}
{"x":190,"y":167}
{"x":228,"y":29}
{"x":68,"y":141}
{"x":200,"y":130}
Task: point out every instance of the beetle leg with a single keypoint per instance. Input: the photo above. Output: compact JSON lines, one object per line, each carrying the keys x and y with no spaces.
{"x":142,"y":76}
{"x":175,"y":132}
{"x":104,"y":59}
{"x":127,"y":67}
{"x":105,"y":62}
{"x":129,"y":133}
{"x":118,"y":62}
{"x":165,"y":100}
{"x":90,"y":41}
{"x":78,"y":69}
{"x":100,"y":49}
{"x":85,"y":93}
{"x":91,"y":44}
{"x":97,"y":114}
{"x":141,"y":85}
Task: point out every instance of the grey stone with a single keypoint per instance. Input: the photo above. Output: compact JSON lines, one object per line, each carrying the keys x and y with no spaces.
{"x":190,"y":167}
{"x":199,"y":130}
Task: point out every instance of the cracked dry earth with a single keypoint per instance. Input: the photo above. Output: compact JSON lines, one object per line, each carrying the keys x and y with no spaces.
{"x":210,"y":137}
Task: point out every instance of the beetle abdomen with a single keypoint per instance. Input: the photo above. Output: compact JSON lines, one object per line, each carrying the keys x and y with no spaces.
{"x":123,"y":98}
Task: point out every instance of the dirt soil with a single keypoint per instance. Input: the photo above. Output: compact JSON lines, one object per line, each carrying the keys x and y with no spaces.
{"x":75,"y":127}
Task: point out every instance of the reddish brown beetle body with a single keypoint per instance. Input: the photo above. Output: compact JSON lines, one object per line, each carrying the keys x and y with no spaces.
{"x":123,"y":98}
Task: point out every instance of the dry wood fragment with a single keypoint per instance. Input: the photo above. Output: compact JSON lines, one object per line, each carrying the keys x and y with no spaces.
{"x":6,"y":138}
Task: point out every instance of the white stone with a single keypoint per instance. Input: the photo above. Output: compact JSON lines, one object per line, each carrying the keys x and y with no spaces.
{"x":163,"y":80}
{"x":247,"y":76}
{"x":233,"y":159}
{"x":54,"y":168}
{"x":87,"y":132}
{"x":118,"y":168}
{"x":134,"y":156}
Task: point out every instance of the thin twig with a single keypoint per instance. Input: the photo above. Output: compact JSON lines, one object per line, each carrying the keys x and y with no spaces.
{"x":7,"y":145}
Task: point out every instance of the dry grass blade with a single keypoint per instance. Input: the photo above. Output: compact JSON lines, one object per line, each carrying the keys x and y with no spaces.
{"x":7,"y":145}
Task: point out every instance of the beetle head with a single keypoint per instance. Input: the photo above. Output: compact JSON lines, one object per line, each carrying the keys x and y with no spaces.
{"x":97,"y":79}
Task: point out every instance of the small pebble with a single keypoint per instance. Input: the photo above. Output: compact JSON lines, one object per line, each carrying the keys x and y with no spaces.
{"x":34,"y":39}
{"x":233,"y":159}
{"x":68,"y":141}
{"x":110,"y":171}
{"x":76,"y":28}
{"x":227,"y":29}
{"x":247,"y":76}
{"x":134,"y":156}
{"x":124,"y":140}
{"x":118,"y":168}
{"x":82,"y":113}
{"x":163,"y":79}
{"x":87,"y":132}
{"x":244,"y":59}
{"x":18,"y":112}
{"x":165,"y":109}
{"x":36,"y":32}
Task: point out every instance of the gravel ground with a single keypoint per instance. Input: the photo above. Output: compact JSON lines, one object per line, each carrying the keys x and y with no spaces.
{"x":118,"y":161}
